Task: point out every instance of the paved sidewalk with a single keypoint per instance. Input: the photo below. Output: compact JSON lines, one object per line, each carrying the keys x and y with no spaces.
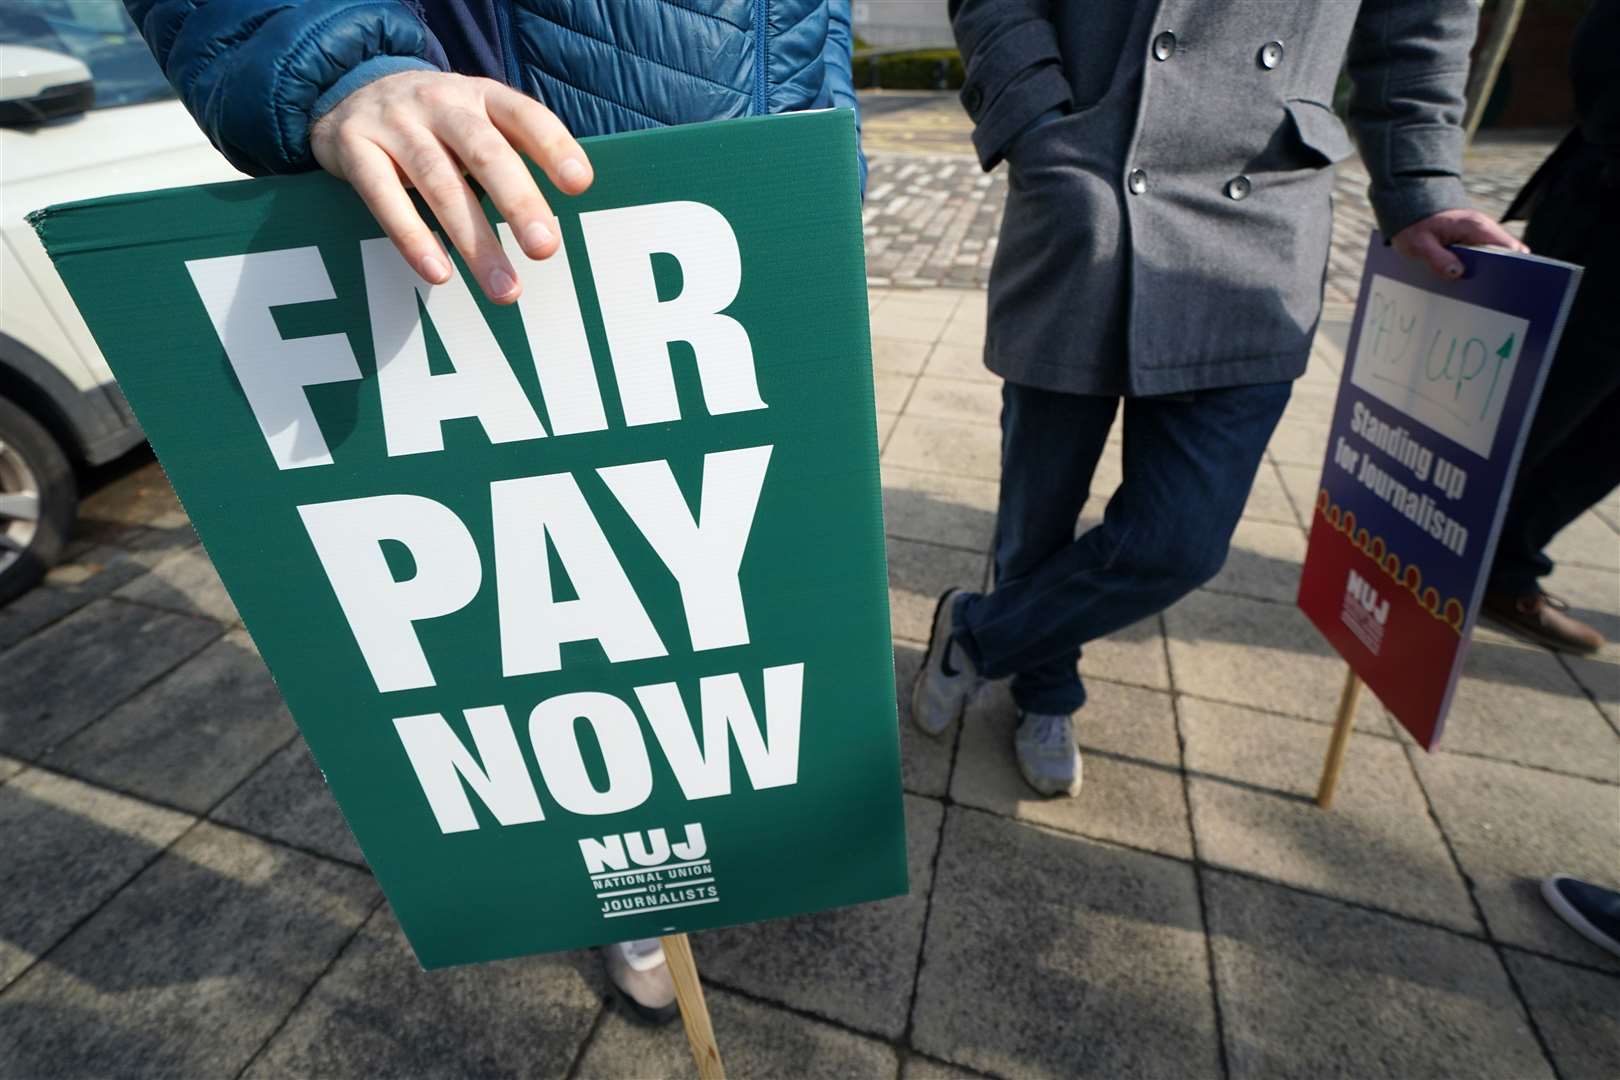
{"x":179,"y":895}
{"x":932,"y":215}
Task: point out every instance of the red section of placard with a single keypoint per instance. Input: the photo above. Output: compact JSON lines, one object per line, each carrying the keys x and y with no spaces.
{"x":1404,"y":642}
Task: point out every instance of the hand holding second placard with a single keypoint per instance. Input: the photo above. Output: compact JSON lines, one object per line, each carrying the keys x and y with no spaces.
{"x":1429,"y":239}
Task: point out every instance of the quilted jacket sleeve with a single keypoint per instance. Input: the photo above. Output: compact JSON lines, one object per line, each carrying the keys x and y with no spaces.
{"x":1408,"y":63}
{"x":840,"y":69}
{"x":255,"y":74}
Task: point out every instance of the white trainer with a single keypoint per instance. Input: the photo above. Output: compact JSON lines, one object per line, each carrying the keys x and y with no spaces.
{"x":946,"y":681}
{"x":1047,"y":754}
{"x":640,"y":975}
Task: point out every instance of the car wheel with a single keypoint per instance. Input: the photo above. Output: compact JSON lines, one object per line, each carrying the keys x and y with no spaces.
{"x":38,"y":499}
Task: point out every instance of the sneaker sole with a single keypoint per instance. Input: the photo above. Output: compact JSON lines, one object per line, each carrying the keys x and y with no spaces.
{"x":646,"y":1015}
{"x":1577,"y":922}
{"x":922,"y":670}
{"x":1069,"y":792}
{"x":1066,"y":792}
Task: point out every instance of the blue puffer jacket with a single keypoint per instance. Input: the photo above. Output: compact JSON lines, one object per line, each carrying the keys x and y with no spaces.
{"x":257,"y":73}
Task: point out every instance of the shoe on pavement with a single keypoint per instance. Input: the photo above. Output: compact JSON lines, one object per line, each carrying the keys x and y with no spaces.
{"x":946,"y":679}
{"x":1543,"y":619}
{"x":638,"y":972}
{"x":1593,"y":911}
{"x":1047,"y":755}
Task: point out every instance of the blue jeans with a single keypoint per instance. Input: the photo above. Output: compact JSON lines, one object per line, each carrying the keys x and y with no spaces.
{"x":1189,"y":461}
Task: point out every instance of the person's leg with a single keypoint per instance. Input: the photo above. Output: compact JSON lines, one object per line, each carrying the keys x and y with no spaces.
{"x":1570,"y":455}
{"x":1050,"y":446}
{"x":1570,"y":458}
{"x":1189,"y":463}
{"x":1580,"y":466}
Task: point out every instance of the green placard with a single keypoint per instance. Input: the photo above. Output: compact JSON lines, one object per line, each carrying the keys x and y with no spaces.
{"x":580,"y":603}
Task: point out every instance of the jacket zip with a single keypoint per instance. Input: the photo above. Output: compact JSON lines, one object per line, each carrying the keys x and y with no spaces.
{"x":760,"y":36}
{"x":503,"y":26}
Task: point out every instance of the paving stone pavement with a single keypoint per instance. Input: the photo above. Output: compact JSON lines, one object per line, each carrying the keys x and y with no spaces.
{"x":932,"y":215}
{"x":179,"y":895}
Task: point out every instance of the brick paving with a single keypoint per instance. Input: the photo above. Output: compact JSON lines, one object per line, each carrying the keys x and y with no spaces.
{"x":931,"y":219}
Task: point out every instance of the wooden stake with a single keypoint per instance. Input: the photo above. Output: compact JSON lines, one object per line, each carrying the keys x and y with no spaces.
{"x":694,"y":1010}
{"x":1341,"y":740}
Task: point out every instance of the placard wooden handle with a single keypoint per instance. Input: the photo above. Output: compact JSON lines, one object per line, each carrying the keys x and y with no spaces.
{"x":1342,"y":726}
{"x":694,"y":1010}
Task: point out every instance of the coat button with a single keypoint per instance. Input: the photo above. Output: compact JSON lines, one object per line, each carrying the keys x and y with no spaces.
{"x":1164,"y":46}
{"x":1137,"y":181}
{"x":1238,"y":187}
{"x":1271,"y":54}
{"x":972,"y":98}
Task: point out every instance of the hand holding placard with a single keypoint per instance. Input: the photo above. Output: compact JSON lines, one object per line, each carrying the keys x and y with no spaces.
{"x":424,"y":127}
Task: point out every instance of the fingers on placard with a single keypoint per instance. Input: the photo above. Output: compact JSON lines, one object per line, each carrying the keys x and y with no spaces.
{"x":535,"y":130}
{"x":1425,"y":245}
{"x":487,"y":155}
{"x":436,"y":174}
{"x":1477,"y":228}
{"x":376,"y":179}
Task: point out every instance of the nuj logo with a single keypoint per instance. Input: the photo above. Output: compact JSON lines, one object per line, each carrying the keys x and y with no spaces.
{"x":1359,"y":589}
{"x":636,"y":873}
{"x":648,"y":849}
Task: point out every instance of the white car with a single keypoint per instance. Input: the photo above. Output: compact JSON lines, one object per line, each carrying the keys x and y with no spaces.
{"x":84,"y":112}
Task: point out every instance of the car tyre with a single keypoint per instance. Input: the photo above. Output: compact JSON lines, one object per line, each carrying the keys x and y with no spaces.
{"x":38,"y":500}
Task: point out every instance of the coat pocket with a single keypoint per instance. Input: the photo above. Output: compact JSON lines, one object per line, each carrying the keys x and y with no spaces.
{"x":1321,"y":134}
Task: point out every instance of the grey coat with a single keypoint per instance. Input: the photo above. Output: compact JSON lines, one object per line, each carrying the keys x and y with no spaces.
{"x":1168,"y":216}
